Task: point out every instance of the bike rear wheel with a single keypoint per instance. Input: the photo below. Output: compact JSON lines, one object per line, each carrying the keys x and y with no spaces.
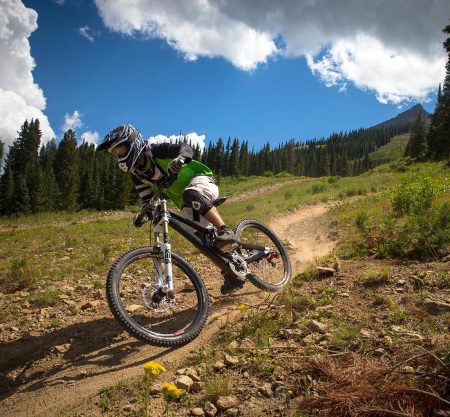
{"x":272,"y":271}
{"x":156,"y":318}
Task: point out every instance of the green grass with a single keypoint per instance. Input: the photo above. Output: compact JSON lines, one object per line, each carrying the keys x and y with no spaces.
{"x":376,"y":277}
{"x":353,"y":216}
{"x":392,"y":151}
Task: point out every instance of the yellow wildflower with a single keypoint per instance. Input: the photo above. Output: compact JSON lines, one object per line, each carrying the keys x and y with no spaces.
{"x":242,"y":307}
{"x":154,"y":369}
{"x":171,"y":392}
{"x":392,"y":303}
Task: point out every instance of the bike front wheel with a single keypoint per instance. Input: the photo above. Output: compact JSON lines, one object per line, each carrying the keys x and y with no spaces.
{"x":270,"y":268}
{"x":133,"y":289}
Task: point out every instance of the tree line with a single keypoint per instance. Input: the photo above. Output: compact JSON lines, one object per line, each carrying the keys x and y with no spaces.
{"x":433,"y":142}
{"x":60,"y":177}
{"x":343,"y":154}
{"x":67,"y":176}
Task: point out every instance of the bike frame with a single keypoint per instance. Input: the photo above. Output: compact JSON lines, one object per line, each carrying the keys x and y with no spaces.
{"x":165,"y":217}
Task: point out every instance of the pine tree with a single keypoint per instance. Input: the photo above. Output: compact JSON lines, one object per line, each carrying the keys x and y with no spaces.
{"x":47,"y":157}
{"x":7,"y":187}
{"x":417,"y":145}
{"x":20,"y":201}
{"x":439,"y":134}
{"x":2,"y":150}
{"x":235,"y":169}
{"x":66,"y":171}
{"x":226,"y":164}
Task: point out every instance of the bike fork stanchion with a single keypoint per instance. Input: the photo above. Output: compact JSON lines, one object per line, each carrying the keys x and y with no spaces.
{"x":157,"y":262}
{"x":166,"y":246}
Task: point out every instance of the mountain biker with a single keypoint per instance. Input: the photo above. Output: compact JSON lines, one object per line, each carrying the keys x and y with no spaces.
{"x":192,"y":182}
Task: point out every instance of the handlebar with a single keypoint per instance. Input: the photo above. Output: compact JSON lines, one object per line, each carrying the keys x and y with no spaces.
{"x":150,"y":205}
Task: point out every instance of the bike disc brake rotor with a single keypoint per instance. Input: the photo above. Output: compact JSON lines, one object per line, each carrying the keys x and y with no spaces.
{"x":162,"y":306}
{"x":239,"y":265}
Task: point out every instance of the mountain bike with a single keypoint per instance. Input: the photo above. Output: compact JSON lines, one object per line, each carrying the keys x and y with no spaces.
{"x":160,"y":298}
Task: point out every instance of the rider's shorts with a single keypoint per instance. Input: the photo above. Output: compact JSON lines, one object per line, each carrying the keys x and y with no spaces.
{"x":200,"y":193}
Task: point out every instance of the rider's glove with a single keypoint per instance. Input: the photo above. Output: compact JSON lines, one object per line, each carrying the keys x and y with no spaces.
{"x":175,"y":166}
{"x":139,"y":219}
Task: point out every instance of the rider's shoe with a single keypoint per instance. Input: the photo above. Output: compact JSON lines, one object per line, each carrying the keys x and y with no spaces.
{"x":225,"y":237}
{"x":230,"y":285}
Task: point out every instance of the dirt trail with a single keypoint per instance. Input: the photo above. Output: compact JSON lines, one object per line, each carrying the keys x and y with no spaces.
{"x":100,"y":354}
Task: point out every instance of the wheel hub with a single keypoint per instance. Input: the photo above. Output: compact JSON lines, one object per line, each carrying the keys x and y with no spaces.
{"x":156,"y":299}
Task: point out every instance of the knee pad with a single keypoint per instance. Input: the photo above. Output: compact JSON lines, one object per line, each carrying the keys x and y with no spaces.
{"x":196,"y":200}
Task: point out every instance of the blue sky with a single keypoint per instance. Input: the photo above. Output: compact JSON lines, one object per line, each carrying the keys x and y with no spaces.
{"x":126,"y":71}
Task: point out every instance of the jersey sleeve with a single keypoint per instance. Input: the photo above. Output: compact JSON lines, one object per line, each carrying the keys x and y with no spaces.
{"x":144,"y":191}
{"x":172,"y":150}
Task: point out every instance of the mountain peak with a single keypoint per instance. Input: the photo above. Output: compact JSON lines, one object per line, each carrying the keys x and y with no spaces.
{"x":406,"y":118}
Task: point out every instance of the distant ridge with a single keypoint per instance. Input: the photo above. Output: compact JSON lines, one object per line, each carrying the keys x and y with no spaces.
{"x":405,"y":119}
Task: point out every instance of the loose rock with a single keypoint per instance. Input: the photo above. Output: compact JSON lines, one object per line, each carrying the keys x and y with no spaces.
{"x":313,"y":338}
{"x":435,"y":307}
{"x":197,"y":412}
{"x":210,"y":409}
{"x":266,"y":390}
{"x":325,"y":271}
{"x":231,"y":360}
{"x":197,"y":386}
{"x":226,"y":402}
{"x":184,"y":382}
{"x":219,"y":366}
{"x":232,"y":346}
{"x":317,"y":327}
{"x":91,"y":304}
{"x":132,"y":308}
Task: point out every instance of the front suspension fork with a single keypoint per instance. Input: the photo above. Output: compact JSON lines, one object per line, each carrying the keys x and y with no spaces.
{"x":166,"y":250}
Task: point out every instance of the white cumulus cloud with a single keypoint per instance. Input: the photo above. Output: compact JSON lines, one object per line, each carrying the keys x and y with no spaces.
{"x":195,"y":28}
{"x":385,"y":46}
{"x":72,"y":121}
{"x":192,"y":138}
{"x":394,"y":76}
{"x":20,"y":97}
{"x":89,"y":137}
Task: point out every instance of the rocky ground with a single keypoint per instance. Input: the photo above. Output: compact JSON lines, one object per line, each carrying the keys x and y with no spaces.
{"x":363,"y":336}
{"x":369,"y":339}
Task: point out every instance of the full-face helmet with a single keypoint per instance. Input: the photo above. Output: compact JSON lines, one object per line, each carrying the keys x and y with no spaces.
{"x":126,"y":143}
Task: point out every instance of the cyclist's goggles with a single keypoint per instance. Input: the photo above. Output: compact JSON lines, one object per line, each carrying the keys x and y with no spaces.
{"x":120,"y":150}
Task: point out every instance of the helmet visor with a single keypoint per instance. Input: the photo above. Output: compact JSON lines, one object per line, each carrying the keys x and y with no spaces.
{"x":120,"y":150}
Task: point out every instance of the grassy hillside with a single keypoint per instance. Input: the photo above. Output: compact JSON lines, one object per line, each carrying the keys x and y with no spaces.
{"x":392,"y":151}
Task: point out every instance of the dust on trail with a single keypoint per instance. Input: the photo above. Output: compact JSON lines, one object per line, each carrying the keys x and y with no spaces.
{"x":99,"y":358}
{"x":304,"y":234}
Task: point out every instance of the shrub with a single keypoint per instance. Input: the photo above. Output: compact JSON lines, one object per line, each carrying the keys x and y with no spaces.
{"x":376,"y":277}
{"x":416,"y":226}
{"x":21,"y":275}
{"x":47,"y":297}
{"x":283,"y":174}
{"x":333,"y":180}
{"x":318,"y":188}
{"x":414,"y":195}
{"x":288,"y":194}
{"x":361,"y":221}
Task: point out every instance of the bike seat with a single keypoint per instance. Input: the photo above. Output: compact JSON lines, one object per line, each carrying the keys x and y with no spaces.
{"x":219,"y":201}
